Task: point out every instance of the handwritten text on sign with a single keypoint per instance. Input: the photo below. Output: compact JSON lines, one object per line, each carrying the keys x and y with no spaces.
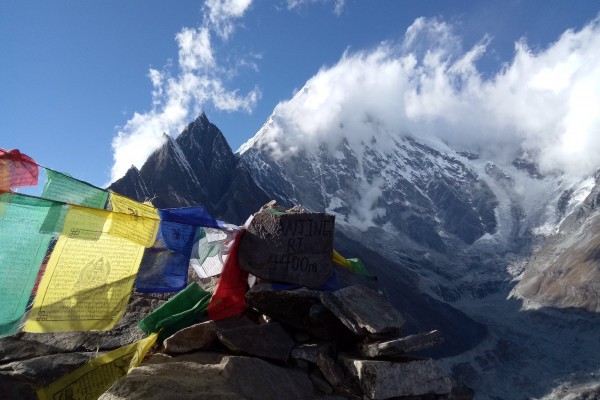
{"x":291,"y":248}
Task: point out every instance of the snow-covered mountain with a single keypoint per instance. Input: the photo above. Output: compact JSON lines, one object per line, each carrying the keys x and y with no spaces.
{"x":511,"y":248}
{"x":501,"y":259}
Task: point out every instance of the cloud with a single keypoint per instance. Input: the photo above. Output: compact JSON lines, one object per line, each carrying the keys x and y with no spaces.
{"x":222,"y":13}
{"x":541,"y":103}
{"x":338,"y":5}
{"x":179,"y":98}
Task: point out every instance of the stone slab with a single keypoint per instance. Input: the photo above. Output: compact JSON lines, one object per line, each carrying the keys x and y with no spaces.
{"x":363,"y":310}
{"x":401,"y":345}
{"x":196,"y":337}
{"x":269,"y":341}
{"x":386,"y":379}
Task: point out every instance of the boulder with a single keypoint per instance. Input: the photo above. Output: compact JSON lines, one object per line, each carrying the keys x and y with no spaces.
{"x":195,"y":337}
{"x":289,"y":248}
{"x":233,"y":377}
{"x":364,"y":311}
{"x":387,"y":379}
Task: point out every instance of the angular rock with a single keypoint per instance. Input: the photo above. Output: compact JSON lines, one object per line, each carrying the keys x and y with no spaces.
{"x":268,"y":341}
{"x":290,"y":248}
{"x":363,"y":310}
{"x":195,"y":337}
{"x":319,"y":381}
{"x":385,"y":379}
{"x":330,"y":370}
{"x":310,"y":351}
{"x":13,"y":348}
{"x":232,"y":378}
{"x":45,"y":369}
{"x":294,"y":308}
{"x":401,"y":345}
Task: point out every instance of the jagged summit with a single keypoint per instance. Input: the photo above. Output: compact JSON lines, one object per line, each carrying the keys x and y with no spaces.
{"x":196,"y":168}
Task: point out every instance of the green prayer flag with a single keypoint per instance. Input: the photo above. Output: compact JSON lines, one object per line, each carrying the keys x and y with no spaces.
{"x":182,"y":310}
{"x":61,"y":187}
{"x":27,"y":225}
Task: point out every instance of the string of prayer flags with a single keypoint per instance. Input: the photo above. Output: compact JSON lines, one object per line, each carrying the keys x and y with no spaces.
{"x":90,"y":273}
{"x":64,"y":188}
{"x":182,"y":310}
{"x":16,"y":170}
{"x":27,"y":226}
{"x":99,"y":374}
{"x":229,"y":297}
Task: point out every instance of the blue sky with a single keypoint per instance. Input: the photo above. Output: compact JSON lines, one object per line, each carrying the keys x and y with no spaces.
{"x":76,"y":76}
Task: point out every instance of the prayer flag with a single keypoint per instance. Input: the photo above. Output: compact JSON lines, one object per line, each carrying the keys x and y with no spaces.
{"x":229,"y":297}
{"x":27,"y":226}
{"x":90,"y":274}
{"x":62,"y":187}
{"x":16,"y":170}
{"x":96,"y":376}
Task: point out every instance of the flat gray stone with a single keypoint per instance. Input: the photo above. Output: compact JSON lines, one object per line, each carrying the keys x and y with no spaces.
{"x":45,"y":369}
{"x":310,"y":351}
{"x":386,"y":379}
{"x":364,"y":311}
{"x":13,"y":348}
{"x":233,"y":378}
{"x":267,"y":341}
{"x":196,"y":337}
{"x":290,"y":248}
{"x":401,"y":345}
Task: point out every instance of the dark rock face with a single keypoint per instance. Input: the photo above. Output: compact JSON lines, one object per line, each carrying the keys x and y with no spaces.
{"x":197,"y":168}
{"x":564,"y":271}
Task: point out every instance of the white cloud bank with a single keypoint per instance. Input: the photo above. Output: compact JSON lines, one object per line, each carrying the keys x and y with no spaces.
{"x":544,"y":103}
{"x":178,"y":99}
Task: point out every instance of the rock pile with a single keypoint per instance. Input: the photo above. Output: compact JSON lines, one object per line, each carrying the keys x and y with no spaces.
{"x":295,"y":340}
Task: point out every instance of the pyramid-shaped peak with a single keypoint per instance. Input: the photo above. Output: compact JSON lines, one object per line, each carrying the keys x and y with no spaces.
{"x":203,"y":119}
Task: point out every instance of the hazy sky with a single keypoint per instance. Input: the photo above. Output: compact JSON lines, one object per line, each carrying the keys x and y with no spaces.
{"x":88,"y":88}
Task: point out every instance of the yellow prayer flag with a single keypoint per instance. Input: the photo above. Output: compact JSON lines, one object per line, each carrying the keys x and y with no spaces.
{"x":94,"y":378}
{"x":89,"y":276}
{"x":134,"y":220}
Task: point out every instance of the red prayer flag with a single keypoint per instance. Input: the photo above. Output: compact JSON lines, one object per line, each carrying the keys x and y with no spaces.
{"x":16,"y":170}
{"x":229,"y":297}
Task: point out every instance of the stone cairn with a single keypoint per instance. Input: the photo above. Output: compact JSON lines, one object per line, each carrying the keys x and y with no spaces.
{"x":293,"y":341}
